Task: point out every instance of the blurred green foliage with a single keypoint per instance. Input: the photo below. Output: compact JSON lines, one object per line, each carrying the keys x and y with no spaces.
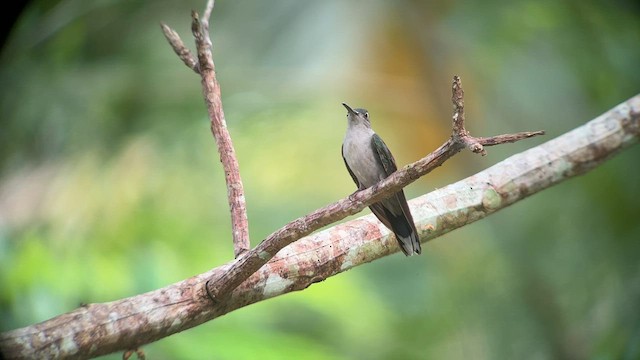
{"x":110,"y":184}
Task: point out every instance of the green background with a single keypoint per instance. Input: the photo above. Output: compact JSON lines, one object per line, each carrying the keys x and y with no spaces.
{"x":110,"y":183}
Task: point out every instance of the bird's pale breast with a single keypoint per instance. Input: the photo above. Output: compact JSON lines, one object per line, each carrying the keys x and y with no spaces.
{"x":360,"y":156}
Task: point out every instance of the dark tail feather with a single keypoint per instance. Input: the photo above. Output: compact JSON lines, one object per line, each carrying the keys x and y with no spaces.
{"x":406,"y":234}
{"x":402,"y":226}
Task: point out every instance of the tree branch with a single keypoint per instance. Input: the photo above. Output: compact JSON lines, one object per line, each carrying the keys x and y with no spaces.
{"x":246,"y":265}
{"x":211,"y":90}
{"x":180,"y":49}
{"x":98,"y":329}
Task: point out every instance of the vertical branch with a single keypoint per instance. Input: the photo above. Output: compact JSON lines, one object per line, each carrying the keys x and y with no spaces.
{"x":457,"y":98}
{"x":212,"y":96}
{"x":460,"y":133}
{"x":206,"y":16}
{"x":204,"y":66}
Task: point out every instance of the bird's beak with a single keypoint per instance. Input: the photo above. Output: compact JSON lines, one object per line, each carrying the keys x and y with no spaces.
{"x":349,"y":109}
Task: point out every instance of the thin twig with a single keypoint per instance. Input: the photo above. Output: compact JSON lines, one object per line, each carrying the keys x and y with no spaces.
{"x":205,"y":66}
{"x":219,"y":288}
{"x":457,"y":98}
{"x":507,"y":138}
{"x":180,"y":49}
{"x":206,"y":15}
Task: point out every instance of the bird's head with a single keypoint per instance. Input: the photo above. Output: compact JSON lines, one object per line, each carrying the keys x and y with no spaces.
{"x":357,"y":116}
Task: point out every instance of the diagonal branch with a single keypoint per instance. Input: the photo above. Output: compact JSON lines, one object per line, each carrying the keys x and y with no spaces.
{"x":204,"y":66}
{"x":180,"y":49}
{"x":220,"y":287}
{"x":98,"y":329}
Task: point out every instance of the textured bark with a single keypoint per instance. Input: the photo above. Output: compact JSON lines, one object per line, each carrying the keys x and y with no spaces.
{"x":204,"y":66}
{"x":98,"y":329}
{"x":212,"y":97}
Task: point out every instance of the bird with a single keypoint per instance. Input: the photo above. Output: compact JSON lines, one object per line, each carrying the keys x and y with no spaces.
{"x":368,"y":161}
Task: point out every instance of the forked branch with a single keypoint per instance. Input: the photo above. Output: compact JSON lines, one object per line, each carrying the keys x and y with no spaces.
{"x":203,"y":65}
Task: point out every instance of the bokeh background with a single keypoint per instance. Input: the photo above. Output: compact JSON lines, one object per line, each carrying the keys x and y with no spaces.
{"x":110,"y":183}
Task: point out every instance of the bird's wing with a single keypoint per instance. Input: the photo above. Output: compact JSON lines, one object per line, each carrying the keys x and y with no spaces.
{"x":384,"y":155}
{"x":389,"y":164}
{"x":409,"y":244}
{"x":353,"y":176}
{"x":381,"y":213}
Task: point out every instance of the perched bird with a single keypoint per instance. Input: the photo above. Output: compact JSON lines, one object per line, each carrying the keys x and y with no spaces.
{"x":368,"y":160}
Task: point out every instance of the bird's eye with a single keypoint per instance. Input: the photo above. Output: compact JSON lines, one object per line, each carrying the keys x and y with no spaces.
{"x":366,"y":115}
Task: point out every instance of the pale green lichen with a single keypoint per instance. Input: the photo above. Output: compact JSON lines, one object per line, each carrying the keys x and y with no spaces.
{"x":275,"y":285}
{"x":491,"y":200}
{"x":68,"y":346}
{"x":175,"y":324}
{"x":347,"y":263}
